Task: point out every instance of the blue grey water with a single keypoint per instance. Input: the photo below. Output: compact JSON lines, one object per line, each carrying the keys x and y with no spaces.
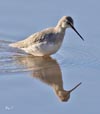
{"x":22,"y":87}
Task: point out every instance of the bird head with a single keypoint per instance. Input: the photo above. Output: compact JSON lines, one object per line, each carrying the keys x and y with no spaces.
{"x":67,"y":22}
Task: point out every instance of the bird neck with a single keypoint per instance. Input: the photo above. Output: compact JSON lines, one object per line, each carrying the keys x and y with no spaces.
{"x":60,"y":29}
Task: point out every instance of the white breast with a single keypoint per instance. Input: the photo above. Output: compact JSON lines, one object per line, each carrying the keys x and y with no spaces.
{"x":42,"y":49}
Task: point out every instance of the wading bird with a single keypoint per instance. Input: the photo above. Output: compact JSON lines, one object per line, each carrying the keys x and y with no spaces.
{"x":47,"y":41}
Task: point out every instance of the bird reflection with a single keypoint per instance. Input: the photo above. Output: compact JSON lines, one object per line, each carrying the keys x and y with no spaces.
{"x":47,"y":70}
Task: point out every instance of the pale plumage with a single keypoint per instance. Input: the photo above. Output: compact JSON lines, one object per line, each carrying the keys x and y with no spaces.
{"x":48,"y":41}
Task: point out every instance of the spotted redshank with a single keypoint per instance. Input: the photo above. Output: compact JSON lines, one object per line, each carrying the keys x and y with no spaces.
{"x":47,"y":41}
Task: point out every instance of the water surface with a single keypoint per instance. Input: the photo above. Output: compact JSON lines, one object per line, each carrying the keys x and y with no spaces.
{"x":30,"y":84}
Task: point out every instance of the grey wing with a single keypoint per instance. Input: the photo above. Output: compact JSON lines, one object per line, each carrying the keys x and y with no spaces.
{"x":33,"y":39}
{"x":45,"y":37}
{"x":27,"y":42}
{"x":38,"y":37}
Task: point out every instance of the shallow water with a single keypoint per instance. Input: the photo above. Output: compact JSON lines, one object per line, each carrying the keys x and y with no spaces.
{"x":36,"y":84}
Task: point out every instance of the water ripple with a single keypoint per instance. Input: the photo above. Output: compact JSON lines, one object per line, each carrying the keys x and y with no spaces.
{"x":77,"y":57}
{"x":14,"y":60}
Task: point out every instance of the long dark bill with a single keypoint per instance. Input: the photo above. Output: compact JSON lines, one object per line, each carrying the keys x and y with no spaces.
{"x":76,"y":31}
{"x":75,"y":87}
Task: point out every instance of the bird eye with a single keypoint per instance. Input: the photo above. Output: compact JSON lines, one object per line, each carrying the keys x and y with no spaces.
{"x":68,"y":23}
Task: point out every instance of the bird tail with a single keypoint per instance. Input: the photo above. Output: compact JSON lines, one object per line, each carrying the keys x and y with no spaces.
{"x":16,"y":45}
{"x":13,"y":45}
